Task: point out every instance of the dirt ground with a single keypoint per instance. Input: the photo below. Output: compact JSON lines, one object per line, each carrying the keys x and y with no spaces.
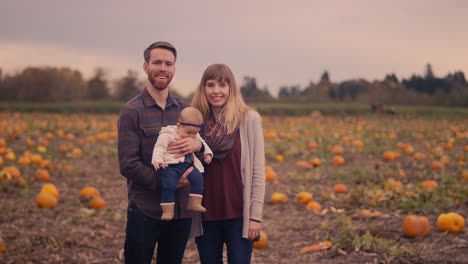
{"x":71,"y":233}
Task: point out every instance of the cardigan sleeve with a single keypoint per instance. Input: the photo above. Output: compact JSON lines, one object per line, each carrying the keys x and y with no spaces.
{"x":258,"y":163}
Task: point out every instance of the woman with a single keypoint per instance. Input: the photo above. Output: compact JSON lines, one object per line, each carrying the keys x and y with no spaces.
{"x":235,"y":178}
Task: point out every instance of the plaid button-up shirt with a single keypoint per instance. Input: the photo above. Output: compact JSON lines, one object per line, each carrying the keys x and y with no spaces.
{"x":139,"y":124}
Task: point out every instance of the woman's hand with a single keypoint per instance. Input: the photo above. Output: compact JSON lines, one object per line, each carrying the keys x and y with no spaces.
{"x":254,"y":229}
{"x":183,"y":146}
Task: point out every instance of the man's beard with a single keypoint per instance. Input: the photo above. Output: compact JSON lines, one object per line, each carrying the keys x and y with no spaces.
{"x":159,"y":85}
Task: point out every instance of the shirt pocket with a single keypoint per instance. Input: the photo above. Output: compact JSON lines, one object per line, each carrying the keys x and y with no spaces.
{"x":151,"y":131}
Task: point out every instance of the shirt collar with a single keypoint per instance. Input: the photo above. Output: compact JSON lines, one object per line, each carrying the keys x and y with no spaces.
{"x":149,"y":101}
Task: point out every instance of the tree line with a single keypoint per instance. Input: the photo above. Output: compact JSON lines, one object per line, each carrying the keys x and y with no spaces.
{"x":50,"y":84}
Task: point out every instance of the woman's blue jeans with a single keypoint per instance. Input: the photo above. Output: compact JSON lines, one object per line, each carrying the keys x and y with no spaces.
{"x":215,"y":234}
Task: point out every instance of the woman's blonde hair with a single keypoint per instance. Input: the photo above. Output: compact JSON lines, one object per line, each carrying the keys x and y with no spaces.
{"x":235,"y":108}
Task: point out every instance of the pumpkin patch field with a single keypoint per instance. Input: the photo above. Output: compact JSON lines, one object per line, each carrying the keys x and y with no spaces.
{"x":339,"y":189}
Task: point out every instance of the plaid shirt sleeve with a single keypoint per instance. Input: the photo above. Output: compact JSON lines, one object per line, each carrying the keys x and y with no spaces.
{"x":130,"y":163}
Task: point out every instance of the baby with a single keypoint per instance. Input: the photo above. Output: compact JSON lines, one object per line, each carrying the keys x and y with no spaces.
{"x":170,"y":169}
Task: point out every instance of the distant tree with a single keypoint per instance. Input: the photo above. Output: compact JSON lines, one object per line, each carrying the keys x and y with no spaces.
{"x":97,"y":88}
{"x":352,"y":88}
{"x":289,"y":92}
{"x":429,"y":72}
{"x":325,"y":77}
{"x":458,"y":77}
{"x":252,"y":93}
{"x":46,"y":84}
{"x":391,"y":78}
{"x":128,"y":86}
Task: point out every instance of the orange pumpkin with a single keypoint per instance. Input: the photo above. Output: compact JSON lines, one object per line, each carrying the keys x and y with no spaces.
{"x":50,"y":188}
{"x":429,"y":184}
{"x":338,"y":161}
{"x":315,"y":162}
{"x":43,"y":175}
{"x":451,"y":222}
{"x":270,"y":174}
{"x":340,"y":188}
{"x":304,"y":197}
{"x":414,"y":226}
{"x":314,"y":206}
{"x":464,"y":175}
{"x":279,"y":198}
{"x":96,"y":202}
{"x":88,"y":193}
{"x":46,"y":200}
{"x":389,"y":155}
{"x":437,"y":165}
{"x":303,"y":164}
{"x":262,"y":242}
{"x":337,"y":150}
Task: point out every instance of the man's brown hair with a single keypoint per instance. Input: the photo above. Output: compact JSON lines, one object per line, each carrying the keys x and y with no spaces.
{"x":160,"y":45}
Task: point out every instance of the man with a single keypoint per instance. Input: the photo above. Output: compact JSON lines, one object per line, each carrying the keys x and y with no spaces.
{"x":139,"y":124}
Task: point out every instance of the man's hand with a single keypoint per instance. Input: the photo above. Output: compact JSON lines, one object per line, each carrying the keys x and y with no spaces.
{"x":183,"y":180}
{"x":208,"y":158}
{"x":183,"y":146}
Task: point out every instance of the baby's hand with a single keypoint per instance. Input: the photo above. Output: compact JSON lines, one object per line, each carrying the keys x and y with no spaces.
{"x":159,"y":164}
{"x":208,"y":158}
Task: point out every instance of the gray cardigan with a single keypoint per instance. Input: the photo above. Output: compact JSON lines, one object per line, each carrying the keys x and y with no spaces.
{"x":252,"y":173}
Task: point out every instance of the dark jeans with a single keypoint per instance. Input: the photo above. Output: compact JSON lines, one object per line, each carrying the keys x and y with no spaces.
{"x":143,"y":232}
{"x":215,"y":234}
{"x":169,"y":177}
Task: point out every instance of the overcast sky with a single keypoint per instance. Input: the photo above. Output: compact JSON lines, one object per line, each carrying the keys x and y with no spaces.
{"x":277,"y":42}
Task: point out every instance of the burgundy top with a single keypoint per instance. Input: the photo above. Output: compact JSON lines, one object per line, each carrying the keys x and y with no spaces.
{"x":223,"y":186}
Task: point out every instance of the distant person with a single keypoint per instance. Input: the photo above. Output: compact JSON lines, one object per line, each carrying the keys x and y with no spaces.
{"x":139,"y":124}
{"x":170,"y":168}
{"x":235,"y":179}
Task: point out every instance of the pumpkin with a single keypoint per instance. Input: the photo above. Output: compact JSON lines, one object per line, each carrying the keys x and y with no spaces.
{"x":312,"y":145}
{"x":389,"y":155}
{"x":270,"y":174}
{"x":279,"y":158}
{"x":88,"y":192}
{"x":358,"y":143}
{"x":13,"y":171}
{"x":337,"y":150}
{"x":303,"y":164}
{"x":315,"y":162}
{"x":414,"y":226}
{"x":304,"y":197}
{"x":262,"y":242}
{"x":43,"y":175}
{"x":279,"y":198}
{"x":96,"y":202}
{"x":437,"y":165}
{"x":464,"y":175}
{"x":50,"y":188}
{"x":429,"y":184}
{"x":36,"y":159}
{"x":451,"y":222}
{"x":314,"y":206}
{"x":46,"y":200}
{"x":340,"y":188}
{"x":409,"y":150}
{"x":338,"y":160}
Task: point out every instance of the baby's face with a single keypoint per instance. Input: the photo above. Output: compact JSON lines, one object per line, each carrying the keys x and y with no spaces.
{"x":187,"y":131}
